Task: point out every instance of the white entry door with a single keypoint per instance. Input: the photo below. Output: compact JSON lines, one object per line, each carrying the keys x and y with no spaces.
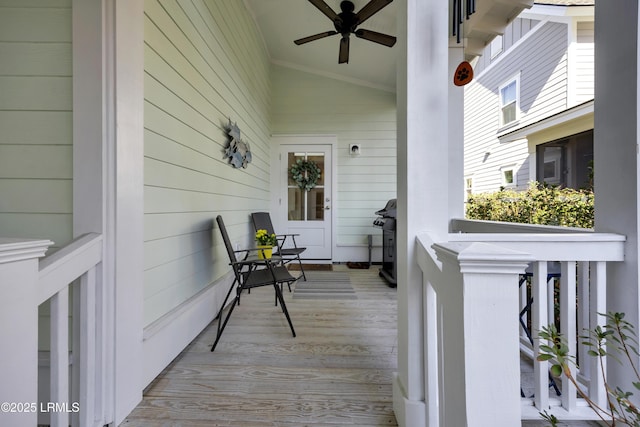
{"x":307,"y":211}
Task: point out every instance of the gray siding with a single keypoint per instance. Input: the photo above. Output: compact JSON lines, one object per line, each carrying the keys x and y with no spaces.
{"x":36,"y":120}
{"x":512,"y":34}
{"x":309,"y":104}
{"x":541,"y":61}
{"x":204,"y":63}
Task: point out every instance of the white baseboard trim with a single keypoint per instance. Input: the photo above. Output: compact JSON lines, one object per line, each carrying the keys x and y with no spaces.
{"x":165,"y":338}
{"x":409,"y":413}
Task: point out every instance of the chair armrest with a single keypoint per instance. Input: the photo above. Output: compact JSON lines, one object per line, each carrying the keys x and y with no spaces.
{"x":282,"y":238}
{"x":247,"y":252}
{"x":251,"y":262}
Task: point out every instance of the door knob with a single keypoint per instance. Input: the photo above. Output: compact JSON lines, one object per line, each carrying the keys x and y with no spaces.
{"x":326,"y":208}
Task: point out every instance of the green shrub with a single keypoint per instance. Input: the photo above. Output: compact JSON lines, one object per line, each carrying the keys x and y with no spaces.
{"x":539,"y":204}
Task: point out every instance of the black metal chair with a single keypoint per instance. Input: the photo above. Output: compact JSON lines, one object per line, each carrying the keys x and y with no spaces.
{"x":262,"y":221}
{"x":553,"y":272}
{"x":251,"y":272}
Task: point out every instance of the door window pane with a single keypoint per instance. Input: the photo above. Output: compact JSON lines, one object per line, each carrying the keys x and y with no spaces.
{"x":296,"y":204}
{"x":292,"y":159}
{"x":315,"y":204}
{"x":318,"y":159}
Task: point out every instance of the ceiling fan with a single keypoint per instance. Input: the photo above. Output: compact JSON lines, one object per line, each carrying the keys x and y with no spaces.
{"x":346,"y":23}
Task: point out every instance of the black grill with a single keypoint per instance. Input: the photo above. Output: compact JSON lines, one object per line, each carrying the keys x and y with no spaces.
{"x":387,"y":222}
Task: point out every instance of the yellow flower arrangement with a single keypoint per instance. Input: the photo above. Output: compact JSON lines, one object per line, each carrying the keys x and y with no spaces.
{"x":265,"y":239}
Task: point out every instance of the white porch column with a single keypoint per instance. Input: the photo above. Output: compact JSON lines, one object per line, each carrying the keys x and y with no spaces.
{"x":423,"y":173}
{"x":108,"y":72}
{"x":19,"y":330}
{"x":617,"y":171}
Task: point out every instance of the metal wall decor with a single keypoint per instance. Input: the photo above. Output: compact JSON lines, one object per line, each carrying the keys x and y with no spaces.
{"x":237,"y":151}
{"x":460,"y":10}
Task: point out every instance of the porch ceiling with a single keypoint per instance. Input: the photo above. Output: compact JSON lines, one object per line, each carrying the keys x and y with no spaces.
{"x":282,"y":21}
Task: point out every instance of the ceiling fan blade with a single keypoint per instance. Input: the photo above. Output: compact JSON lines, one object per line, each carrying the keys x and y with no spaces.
{"x":370,"y":9}
{"x":324,"y":8}
{"x":375,"y":37}
{"x":315,"y":37}
{"x":344,"y":51}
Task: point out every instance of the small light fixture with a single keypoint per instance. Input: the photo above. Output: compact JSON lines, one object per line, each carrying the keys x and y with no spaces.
{"x":354,"y":149}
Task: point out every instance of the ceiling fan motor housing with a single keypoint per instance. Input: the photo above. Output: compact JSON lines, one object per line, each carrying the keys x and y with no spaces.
{"x":348,"y":20}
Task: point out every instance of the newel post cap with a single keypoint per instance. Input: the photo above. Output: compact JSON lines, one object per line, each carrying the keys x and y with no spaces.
{"x":13,"y":249}
{"x":480,"y":257}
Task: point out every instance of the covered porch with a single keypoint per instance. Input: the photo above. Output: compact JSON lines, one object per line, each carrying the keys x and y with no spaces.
{"x":142,"y":182}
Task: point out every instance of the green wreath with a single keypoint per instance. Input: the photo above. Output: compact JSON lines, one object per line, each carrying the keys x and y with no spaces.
{"x":305,"y":173}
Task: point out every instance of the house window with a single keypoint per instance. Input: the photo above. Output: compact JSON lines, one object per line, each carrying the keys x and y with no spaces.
{"x":509,"y":101}
{"x":567,"y":162}
{"x":508,"y":176}
{"x":551,"y":167}
{"x":495,"y":47}
{"x":468,"y":186}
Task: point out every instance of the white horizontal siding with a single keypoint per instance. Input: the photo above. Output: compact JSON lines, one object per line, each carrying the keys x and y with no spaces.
{"x":309,"y":104}
{"x":35,"y":120}
{"x":204,"y":63}
{"x":584,"y":69}
{"x":541,"y":62}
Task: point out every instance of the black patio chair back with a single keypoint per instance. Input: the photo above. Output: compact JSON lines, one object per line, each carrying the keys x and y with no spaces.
{"x":251,"y":272}
{"x":287,"y":252}
{"x":227,"y":244}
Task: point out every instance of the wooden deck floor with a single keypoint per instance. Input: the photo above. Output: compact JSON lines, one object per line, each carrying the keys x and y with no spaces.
{"x":337,"y":371}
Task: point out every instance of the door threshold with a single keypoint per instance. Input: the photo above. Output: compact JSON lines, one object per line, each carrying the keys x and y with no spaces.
{"x":311,"y":267}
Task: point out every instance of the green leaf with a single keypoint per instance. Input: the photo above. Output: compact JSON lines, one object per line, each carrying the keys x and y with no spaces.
{"x":556,"y":370}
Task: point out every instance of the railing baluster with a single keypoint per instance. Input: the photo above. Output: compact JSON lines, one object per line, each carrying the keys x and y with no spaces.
{"x":59,"y":356}
{"x":84,"y":347}
{"x":539,"y":319}
{"x":598,"y":303}
{"x":433,"y":347}
{"x":583,"y":318}
{"x":568,"y":328}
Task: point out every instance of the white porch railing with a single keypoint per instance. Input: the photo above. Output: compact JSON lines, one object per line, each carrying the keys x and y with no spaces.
{"x":472,"y":304}
{"x":73,"y":269}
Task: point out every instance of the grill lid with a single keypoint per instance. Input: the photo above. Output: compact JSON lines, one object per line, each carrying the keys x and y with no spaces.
{"x":389,"y":211}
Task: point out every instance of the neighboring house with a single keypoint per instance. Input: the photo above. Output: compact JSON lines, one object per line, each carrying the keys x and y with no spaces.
{"x":529,"y":109}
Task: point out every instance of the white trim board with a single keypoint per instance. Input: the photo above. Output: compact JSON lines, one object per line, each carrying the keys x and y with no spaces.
{"x":167,"y":337}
